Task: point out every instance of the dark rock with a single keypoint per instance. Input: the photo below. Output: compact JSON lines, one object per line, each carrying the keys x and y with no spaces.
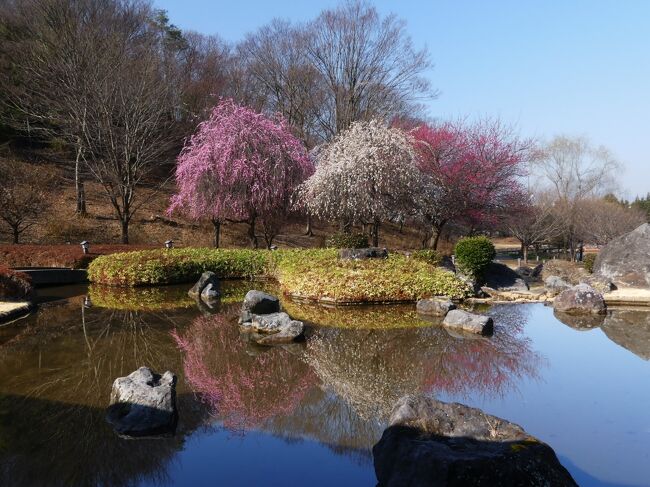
{"x":469,"y":322}
{"x":502,"y":278}
{"x":143,"y":404}
{"x":555,"y":285}
{"x":630,"y":329}
{"x":270,"y":323}
{"x":434,"y":306}
{"x":626,"y":259}
{"x":580,"y":299}
{"x":258,"y":303}
{"x":359,"y":254}
{"x":210,"y":279}
{"x":432,"y":443}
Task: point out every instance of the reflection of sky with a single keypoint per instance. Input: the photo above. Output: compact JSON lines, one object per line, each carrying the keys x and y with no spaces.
{"x":591,"y":402}
{"x":219,"y":458}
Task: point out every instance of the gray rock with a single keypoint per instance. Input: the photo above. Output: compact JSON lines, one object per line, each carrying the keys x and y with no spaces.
{"x":626,"y":259}
{"x":432,"y":443}
{"x":434,"y":306}
{"x":270,"y":323}
{"x":208,"y":278}
{"x":258,"y":303}
{"x":502,"y":278}
{"x":469,"y":322}
{"x":143,"y":404}
{"x":601,"y":284}
{"x":580,"y":299}
{"x":359,"y":254}
{"x":289,"y":333}
{"x":446,"y":263}
{"x":210,"y":293}
{"x":555,"y":285}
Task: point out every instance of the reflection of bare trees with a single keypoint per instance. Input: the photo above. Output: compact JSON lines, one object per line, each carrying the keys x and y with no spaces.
{"x":242,"y":385}
{"x":371,"y":369}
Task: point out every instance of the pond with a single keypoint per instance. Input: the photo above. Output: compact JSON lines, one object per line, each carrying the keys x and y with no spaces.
{"x":308,"y":413}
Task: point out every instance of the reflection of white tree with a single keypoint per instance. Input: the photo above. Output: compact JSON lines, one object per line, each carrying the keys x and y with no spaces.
{"x":371,"y":369}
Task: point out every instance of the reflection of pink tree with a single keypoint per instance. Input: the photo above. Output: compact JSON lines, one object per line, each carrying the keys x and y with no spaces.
{"x":241,"y":388}
{"x":484,"y":365}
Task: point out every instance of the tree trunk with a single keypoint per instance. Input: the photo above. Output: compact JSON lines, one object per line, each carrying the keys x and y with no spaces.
{"x":525,"y":252}
{"x":375,"y":232}
{"x":345,"y":226}
{"x":217,"y":232}
{"x":309,"y":231}
{"x":79,"y":186}
{"x":16,"y":234}
{"x":436,"y":231}
{"x":125,"y":231}
{"x":251,"y":232}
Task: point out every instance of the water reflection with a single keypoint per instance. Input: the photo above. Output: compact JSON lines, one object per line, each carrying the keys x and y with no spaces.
{"x":630,"y":329}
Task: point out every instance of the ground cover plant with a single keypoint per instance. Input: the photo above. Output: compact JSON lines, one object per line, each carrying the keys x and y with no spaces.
{"x":316,"y":274}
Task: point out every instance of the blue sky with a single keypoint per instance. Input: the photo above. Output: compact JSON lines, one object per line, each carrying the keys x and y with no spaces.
{"x":575,"y":67}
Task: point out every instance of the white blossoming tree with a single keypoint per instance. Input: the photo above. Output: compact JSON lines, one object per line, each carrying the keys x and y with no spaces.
{"x":366,"y":175}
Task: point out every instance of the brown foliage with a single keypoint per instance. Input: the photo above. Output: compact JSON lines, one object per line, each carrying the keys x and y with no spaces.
{"x":58,"y":255}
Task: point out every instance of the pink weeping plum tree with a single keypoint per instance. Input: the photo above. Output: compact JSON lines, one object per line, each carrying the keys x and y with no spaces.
{"x":240,"y":166}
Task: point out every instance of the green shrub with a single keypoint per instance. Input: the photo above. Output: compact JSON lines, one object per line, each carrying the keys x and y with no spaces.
{"x":588,"y":261}
{"x":474,"y":255}
{"x":429,"y":256}
{"x":347,"y":241}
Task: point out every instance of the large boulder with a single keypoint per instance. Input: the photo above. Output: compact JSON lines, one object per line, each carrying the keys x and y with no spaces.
{"x":502,"y":278}
{"x":206,"y":288}
{"x":288,"y":333}
{"x":434,"y":306}
{"x":432,"y":443}
{"x":626,"y":259}
{"x":465,"y":321}
{"x":580,"y":299}
{"x":258,"y":303}
{"x":143,"y":404}
{"x":360,"y":254}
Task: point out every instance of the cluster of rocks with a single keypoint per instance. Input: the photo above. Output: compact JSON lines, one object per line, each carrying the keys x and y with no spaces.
{"x":262,"y":319}
{"x":455,"y":319}
{"x":432,"y":443}
{"x":361,"y":254}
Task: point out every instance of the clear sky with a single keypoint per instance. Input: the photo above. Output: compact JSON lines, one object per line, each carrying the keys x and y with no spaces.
{"x":575,"y":67}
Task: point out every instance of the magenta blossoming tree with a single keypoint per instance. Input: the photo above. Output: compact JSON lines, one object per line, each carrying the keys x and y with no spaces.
{"x":240,"y":166}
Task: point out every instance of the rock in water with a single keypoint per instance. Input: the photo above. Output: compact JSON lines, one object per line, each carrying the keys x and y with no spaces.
{"x":432,"y":443}
{"x":359,"y":254}
{"x":210,"y":279}
{"x":258,"y":303}
{"x":580,"y":299}
{"x":626,"y":259}
{"x":143,"y":404}
{"x":434,"y":306}
{"x":289,"y":333}
{"x":469,"y":322}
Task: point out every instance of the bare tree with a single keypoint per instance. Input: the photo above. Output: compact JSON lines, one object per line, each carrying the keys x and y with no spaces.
{"x":24,"y":195}
{"x":576,"y":171}
{"x":536,"y":222}
{"x":368,"y":64}
{"x":601,"y":221}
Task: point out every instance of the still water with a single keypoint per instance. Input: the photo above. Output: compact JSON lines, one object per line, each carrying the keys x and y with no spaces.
{"x":309,"y":413}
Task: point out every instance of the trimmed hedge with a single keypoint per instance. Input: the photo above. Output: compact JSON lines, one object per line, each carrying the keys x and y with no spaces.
{"x":313,"y":274}
{"x":474,"y":255}
{"x":588,"y":261}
